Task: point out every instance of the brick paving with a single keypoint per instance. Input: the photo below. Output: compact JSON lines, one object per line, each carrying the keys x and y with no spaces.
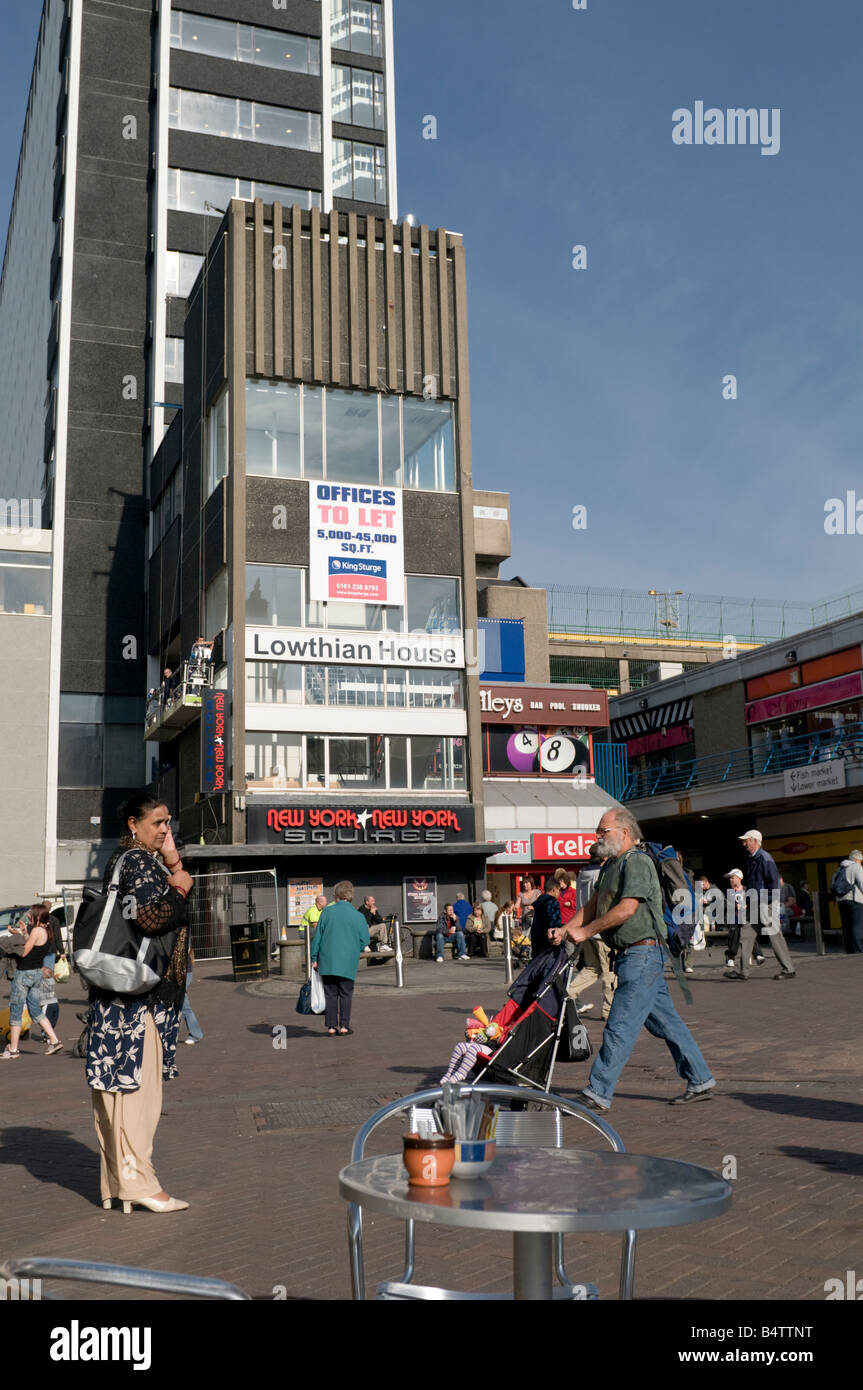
{"x":253,"y":1135}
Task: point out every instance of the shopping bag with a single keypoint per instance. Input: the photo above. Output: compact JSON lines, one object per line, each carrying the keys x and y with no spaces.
{"x":61,"y":970}
{"x":304,"y":1002}
{"x":319,"y":1003}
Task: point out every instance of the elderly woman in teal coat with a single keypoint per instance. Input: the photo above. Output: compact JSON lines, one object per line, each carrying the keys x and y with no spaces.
{"x":340,"y":938}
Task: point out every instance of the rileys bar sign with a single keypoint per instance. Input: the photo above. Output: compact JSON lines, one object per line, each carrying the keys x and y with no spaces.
{"x":359,"y":825}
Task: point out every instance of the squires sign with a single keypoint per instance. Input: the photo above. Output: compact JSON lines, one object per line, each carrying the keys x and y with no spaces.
{"x":359,"y":825}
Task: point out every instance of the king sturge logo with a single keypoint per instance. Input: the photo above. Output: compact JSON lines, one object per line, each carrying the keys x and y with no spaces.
{"x":342,"y":825}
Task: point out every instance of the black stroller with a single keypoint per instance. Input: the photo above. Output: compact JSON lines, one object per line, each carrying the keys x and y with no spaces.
{"x":547,"y":1028}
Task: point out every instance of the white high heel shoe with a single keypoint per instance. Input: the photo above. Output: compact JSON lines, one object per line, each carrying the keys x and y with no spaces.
{"x":154,"y":1204}
{"x":107,"y":1203}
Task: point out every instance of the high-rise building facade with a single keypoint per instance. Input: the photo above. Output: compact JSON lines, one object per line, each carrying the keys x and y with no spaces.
{"x":145,"y":119}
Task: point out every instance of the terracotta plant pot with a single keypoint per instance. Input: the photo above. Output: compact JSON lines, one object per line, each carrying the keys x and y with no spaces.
{"x":429,"y":1161}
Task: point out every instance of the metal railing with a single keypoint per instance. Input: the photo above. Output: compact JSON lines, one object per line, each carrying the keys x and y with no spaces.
{"x":741,"y":764}
{"x":223,"y":900}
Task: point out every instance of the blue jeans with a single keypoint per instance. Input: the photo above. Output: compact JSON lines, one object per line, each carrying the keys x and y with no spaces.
{"x":188,"y":1017}
{"x":642,"y":1000}
{"x":26,"y":990}
{"x":457,"y":936}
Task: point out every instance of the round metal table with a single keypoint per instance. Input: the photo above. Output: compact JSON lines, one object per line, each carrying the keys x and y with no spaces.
{"x":536,"y":1192}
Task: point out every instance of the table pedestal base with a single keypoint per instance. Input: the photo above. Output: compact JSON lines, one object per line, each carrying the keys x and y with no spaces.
{"x":532,"y":1255}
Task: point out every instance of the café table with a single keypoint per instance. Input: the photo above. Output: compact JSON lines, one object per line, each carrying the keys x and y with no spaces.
{"x":535,"y":1192}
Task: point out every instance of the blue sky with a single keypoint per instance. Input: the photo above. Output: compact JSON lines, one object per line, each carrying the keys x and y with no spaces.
{"x":603,"y":387}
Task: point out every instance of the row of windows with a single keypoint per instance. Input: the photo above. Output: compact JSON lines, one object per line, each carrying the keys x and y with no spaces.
{"x":245,"y":43}
{"x":359,"y":171}
{"x":379,"y":762}
{"x":188,"y":191}
{"x":357,"y":687}
{"x":348,"y":437}
{"x":168,"y":508}
{"x":234,"y":118}
{"x":277,"y":596}
{"x":181,"y":272}
{"x":358,"y":97}
{"x":358,"y":26}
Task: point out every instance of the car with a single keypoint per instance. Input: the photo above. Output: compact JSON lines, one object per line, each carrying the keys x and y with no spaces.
{"x":11,"y":916}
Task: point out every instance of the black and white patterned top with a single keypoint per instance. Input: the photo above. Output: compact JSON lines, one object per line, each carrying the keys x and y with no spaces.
{"x":117,"y":1022}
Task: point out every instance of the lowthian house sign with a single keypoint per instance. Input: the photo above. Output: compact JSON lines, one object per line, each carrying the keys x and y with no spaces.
{"x":543,"y":704}
{"x":354,"y":649}
{"x":359,"y":824}
{"x":815,"y":777}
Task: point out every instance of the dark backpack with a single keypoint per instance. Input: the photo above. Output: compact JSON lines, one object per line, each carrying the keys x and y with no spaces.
{"x":839,"y":884}
{"x":678,"y":895}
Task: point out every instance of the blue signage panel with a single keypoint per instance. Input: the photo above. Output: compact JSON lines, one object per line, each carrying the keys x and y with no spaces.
{"x":215,"y":741}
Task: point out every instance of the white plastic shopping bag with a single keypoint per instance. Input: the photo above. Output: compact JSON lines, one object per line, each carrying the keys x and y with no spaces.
{"x":318,"y":1000}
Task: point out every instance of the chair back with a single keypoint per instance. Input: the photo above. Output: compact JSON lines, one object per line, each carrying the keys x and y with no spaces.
{"x":538,"y":1129}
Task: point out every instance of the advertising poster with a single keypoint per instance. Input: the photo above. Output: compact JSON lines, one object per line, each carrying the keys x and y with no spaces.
{"x":420,"y":896}
{"x":215,"y":740}
{"x":301,"y":896}
{"x":356,"y":544}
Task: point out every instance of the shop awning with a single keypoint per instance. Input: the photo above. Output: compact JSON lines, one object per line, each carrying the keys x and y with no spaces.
{"x":543,"y":822}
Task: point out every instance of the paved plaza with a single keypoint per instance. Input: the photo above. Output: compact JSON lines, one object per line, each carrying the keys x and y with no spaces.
{"x":253,"y":1135}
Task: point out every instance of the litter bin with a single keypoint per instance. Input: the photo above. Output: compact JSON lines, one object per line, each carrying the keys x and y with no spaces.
{"x":249,"y":951}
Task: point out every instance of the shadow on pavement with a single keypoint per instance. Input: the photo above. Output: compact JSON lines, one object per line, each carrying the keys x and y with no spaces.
{"x":837,"y":1160}
{"x":51,"y":1156}
{"x":806,"y":1107}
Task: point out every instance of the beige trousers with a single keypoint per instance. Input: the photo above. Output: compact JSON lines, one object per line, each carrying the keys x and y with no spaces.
{"x":126,"y":1123}
{"x":596,"y":965}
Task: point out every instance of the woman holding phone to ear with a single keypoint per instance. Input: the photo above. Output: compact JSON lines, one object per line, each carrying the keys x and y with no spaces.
{"x":133,"y":1038}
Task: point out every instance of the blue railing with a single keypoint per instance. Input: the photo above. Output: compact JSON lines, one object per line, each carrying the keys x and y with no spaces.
{"x":740,"y":764}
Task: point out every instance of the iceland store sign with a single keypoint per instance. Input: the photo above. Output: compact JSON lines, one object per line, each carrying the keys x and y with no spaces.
{"x":215,"y":741}
{"x":356,"y":544}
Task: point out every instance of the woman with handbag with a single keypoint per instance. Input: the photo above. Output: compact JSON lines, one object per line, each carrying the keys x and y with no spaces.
{"x":133,"y":1038}
{"x":27,"y":983}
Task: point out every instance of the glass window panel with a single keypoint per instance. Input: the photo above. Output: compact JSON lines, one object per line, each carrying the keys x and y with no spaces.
{"x":341,"y":93}
{"x":315,"y":761}
{"x":82,"y":709}
{"x":429,"y":445}
{"x":244,"y":43}
{"x":352,"y":437}
{"x":391,"y":447}
{"x":398,"y":761}
{"x":437,"y":764}
{"x":364,"y":173}
{"x":315,"y":685}
{"x":365,"y":617}
{"x":188,"y":191}
{"x":273,"y":193}
{"x":232,"y":118}
{"x":361,"y":26}
{"x":122,"y":709}
{"x":174,"y":357}
{"x":124,"y":756}
{"x":181,"y":272}
{"x":433,"y":603}
{"x":216,"y":604}
{"x":273,"y":760}
{"x":353,"y":762}
{"x":80,"y":755}
{"x":343,"y":170}
{"x":273,"y":596}
{"x":273,"y":683}
{"x":357,"y":686}
{"x":363,"y":97}
{"x":217,"y":443}
{"x":436,"y":690}
{"x":273,"y":429}
{"x":396,"y":688}
{"x":380,"y":174}
{"x":25,"y":582}
{"x":395,"y":618}
{"x":313,"y":437}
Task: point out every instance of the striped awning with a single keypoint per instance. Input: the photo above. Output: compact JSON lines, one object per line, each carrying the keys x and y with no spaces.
{"x":649,"y":720}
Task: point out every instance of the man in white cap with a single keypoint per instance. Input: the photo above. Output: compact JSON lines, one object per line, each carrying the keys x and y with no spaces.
{"x":762,"y":877}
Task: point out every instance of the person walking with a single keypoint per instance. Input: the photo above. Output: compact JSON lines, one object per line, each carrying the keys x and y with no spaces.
{"x":338,"y":943}
{"x":26,"y":991}
{"x":761,"y":876}
{"x":546,"y":918}
{"x":627,"y":905}
{"x":195,"y":1031}
{"x":132,"y":1041}
{"x":448,"y":926}
{"x":595,"y":954}
{"x":851,"y":903}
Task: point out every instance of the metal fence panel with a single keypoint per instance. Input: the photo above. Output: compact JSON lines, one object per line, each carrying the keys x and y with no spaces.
{"x":221,"y":901}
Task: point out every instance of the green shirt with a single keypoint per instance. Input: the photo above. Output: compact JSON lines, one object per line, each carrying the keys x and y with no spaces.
{"x":632,"y":875}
